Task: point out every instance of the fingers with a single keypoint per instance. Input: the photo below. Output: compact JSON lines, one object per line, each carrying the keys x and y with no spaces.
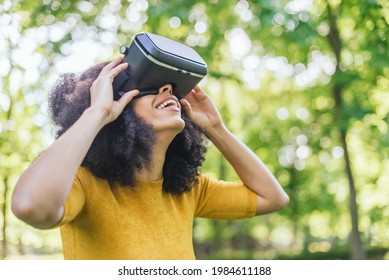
{"x":127,"y":97}
{"x":197,"y":89}
{"x":192,"y":92}
{"x":113,"y":68}
{"x":197,"y":94}
{"x":115,"y":71}
{"x":110,"y":65}
{"x":186,"y":105}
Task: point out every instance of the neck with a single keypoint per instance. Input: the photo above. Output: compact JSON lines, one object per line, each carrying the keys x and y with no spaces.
{"x":154,"y":171}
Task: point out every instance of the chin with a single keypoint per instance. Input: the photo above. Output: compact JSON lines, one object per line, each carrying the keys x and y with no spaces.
{"x":180,"y":125}
{"x":177,"y":126}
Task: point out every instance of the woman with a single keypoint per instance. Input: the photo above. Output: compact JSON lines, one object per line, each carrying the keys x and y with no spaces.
{"x":122,"y":180}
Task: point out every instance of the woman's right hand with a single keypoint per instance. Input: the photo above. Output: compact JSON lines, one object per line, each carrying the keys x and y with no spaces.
{"x":41,"y":191}
{"x":102,"y":91}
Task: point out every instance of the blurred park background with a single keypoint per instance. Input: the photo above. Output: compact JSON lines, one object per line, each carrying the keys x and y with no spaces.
{"x":304,"y":83}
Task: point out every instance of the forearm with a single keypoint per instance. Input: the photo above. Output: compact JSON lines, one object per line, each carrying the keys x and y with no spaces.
{"x":250,"y":169}
{"x":43,"y":188}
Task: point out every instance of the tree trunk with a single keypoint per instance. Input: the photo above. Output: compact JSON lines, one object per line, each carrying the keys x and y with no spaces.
{"x":294,"y":205}
{"x":357,"y":251}
{"x":5,"y":171}
{"x":218,"y":225}
{"x":4,"y":251}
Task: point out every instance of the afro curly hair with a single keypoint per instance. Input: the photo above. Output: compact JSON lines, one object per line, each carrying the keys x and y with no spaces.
{"x":125,"y":145}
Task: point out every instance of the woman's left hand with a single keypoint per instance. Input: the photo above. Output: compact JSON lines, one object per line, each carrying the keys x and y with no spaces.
{"x":201,"y":110}
{"x":250,"y":169}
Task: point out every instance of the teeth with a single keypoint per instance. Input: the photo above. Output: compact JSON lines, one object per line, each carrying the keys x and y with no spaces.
{"x":164,"y":104}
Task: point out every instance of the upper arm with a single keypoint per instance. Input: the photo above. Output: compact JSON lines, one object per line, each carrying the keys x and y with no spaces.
{"x":73,"y":205}
{"x":265,"y":206}
{"x":225,"y":200}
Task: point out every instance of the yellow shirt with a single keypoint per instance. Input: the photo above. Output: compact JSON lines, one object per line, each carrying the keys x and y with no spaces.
{"x":104,"y":222}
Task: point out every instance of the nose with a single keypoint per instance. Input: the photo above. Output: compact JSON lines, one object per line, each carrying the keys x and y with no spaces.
{"x":166,"y":89}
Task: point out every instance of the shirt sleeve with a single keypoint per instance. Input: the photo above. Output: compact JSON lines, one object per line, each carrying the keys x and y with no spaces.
{"x":218,"y":199}
{"x":75,"y":201}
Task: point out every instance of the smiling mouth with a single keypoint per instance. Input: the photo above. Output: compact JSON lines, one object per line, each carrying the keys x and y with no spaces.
{"x":168,"y":103}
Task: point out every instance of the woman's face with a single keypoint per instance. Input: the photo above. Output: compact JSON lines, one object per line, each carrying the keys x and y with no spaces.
{"x":162,"y":111}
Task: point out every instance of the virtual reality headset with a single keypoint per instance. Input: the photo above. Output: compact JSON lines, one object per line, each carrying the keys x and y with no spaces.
{"x":154,"y":61}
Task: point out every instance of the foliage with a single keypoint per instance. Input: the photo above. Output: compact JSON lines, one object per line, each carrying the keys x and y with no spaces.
{"x":272,"y":71}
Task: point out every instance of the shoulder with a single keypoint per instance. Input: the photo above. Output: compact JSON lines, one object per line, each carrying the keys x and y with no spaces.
{"x":223,"y":199}
{"x":207,"y":181}
{"x":90,"y":184}
{"x":84,"y":173}
{"x":85,"y":177}
{"x":206,"y":184}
